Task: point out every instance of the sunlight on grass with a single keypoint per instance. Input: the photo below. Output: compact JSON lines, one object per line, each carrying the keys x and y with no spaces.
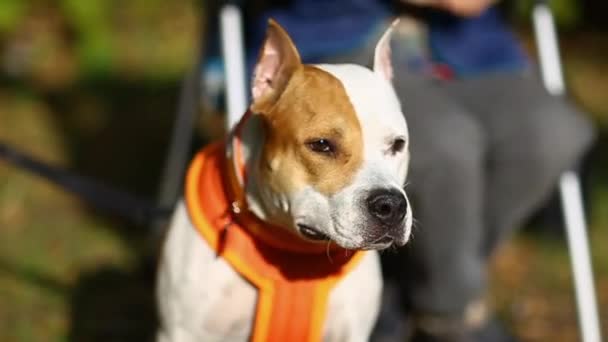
{"x":47,"y":242}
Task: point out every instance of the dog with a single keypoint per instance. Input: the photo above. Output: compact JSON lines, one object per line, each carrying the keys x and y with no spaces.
{"x":277,"y":236}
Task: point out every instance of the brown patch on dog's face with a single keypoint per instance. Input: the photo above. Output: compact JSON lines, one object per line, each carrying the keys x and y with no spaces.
{"x":327,"y":158}
{"x":313,"y":135}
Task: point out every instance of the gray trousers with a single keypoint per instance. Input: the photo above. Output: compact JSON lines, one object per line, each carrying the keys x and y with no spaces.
{"x":486,"y":152}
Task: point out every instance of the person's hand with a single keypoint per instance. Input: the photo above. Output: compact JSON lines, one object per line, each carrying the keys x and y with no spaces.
{"x":464,"y":8}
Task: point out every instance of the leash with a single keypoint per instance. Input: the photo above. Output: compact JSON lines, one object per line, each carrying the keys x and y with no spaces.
{"x":100,"y":196}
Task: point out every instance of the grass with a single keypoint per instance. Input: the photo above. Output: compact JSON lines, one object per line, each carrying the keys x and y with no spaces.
{"x":66,"y":271}
{"x":51,"y":243}
{"x":69,"y":273}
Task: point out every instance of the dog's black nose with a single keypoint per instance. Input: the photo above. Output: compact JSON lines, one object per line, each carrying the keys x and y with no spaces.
{"x":387,"y":206}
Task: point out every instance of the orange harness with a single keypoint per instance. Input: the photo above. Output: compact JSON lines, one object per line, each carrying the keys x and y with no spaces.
{"x":293,"y":277}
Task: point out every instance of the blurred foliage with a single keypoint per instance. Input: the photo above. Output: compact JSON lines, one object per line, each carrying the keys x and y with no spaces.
{"x":12,"y":11}
{"x":56,"y":42}
{"x":90,"y":21}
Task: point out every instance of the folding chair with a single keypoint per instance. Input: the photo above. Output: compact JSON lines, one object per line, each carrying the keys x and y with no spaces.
{"x":569,"y":185}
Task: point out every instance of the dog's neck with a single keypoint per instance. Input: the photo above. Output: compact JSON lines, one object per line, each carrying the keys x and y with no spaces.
{"x":249,"y":138}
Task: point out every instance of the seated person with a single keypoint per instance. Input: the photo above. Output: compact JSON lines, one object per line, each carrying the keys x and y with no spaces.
{"x":488,"y":143}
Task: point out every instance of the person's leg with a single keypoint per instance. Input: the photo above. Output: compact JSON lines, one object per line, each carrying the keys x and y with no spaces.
{"x":441,"y":270}
{"x":533,"y":137}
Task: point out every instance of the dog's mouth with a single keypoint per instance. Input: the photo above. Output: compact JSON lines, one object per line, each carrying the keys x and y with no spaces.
{"x":312,"y":233}
{"x":383,"y":243}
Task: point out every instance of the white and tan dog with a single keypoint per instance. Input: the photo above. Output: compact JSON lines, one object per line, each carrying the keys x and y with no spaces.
{"x":326,"y":152}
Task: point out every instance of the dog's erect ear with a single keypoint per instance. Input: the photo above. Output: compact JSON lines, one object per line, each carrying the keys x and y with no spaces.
{"x":382,"y":54}
{"x":277,"y":62}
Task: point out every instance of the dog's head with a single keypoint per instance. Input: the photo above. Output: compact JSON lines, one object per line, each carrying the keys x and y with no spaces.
{"x":335,"y":156}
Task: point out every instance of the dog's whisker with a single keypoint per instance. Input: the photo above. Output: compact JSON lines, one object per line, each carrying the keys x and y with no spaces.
{"x":380,"y":238}
{"x":416,"y":225}
{"x":327,"y":251}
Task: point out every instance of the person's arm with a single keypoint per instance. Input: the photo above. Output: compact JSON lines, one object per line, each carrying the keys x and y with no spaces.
{"x":464,"y":8}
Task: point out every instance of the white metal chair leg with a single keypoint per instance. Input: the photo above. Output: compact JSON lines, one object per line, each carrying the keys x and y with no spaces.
{"x":578,"y":244}
{"x":234,"y":63}
{"x":569,"y":185}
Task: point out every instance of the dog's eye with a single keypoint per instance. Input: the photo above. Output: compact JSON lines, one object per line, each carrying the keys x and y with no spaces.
{"x":398,"y":145}
{"x":322,"y":146}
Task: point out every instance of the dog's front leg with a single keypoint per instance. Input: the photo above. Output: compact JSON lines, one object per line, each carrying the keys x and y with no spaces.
{"x":355,"y":302}
{"x":200,"y":297}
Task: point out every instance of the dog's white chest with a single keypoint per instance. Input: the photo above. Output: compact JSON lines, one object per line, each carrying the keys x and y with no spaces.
{"x":202,"y":298}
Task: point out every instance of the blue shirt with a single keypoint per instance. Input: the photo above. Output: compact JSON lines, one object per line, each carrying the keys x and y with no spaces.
{"x":322,"y":28}
{"x":468,"y":46}
{"x":473,"y":46}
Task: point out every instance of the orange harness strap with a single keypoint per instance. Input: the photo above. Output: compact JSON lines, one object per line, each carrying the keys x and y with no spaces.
{"x":293,"y":286}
